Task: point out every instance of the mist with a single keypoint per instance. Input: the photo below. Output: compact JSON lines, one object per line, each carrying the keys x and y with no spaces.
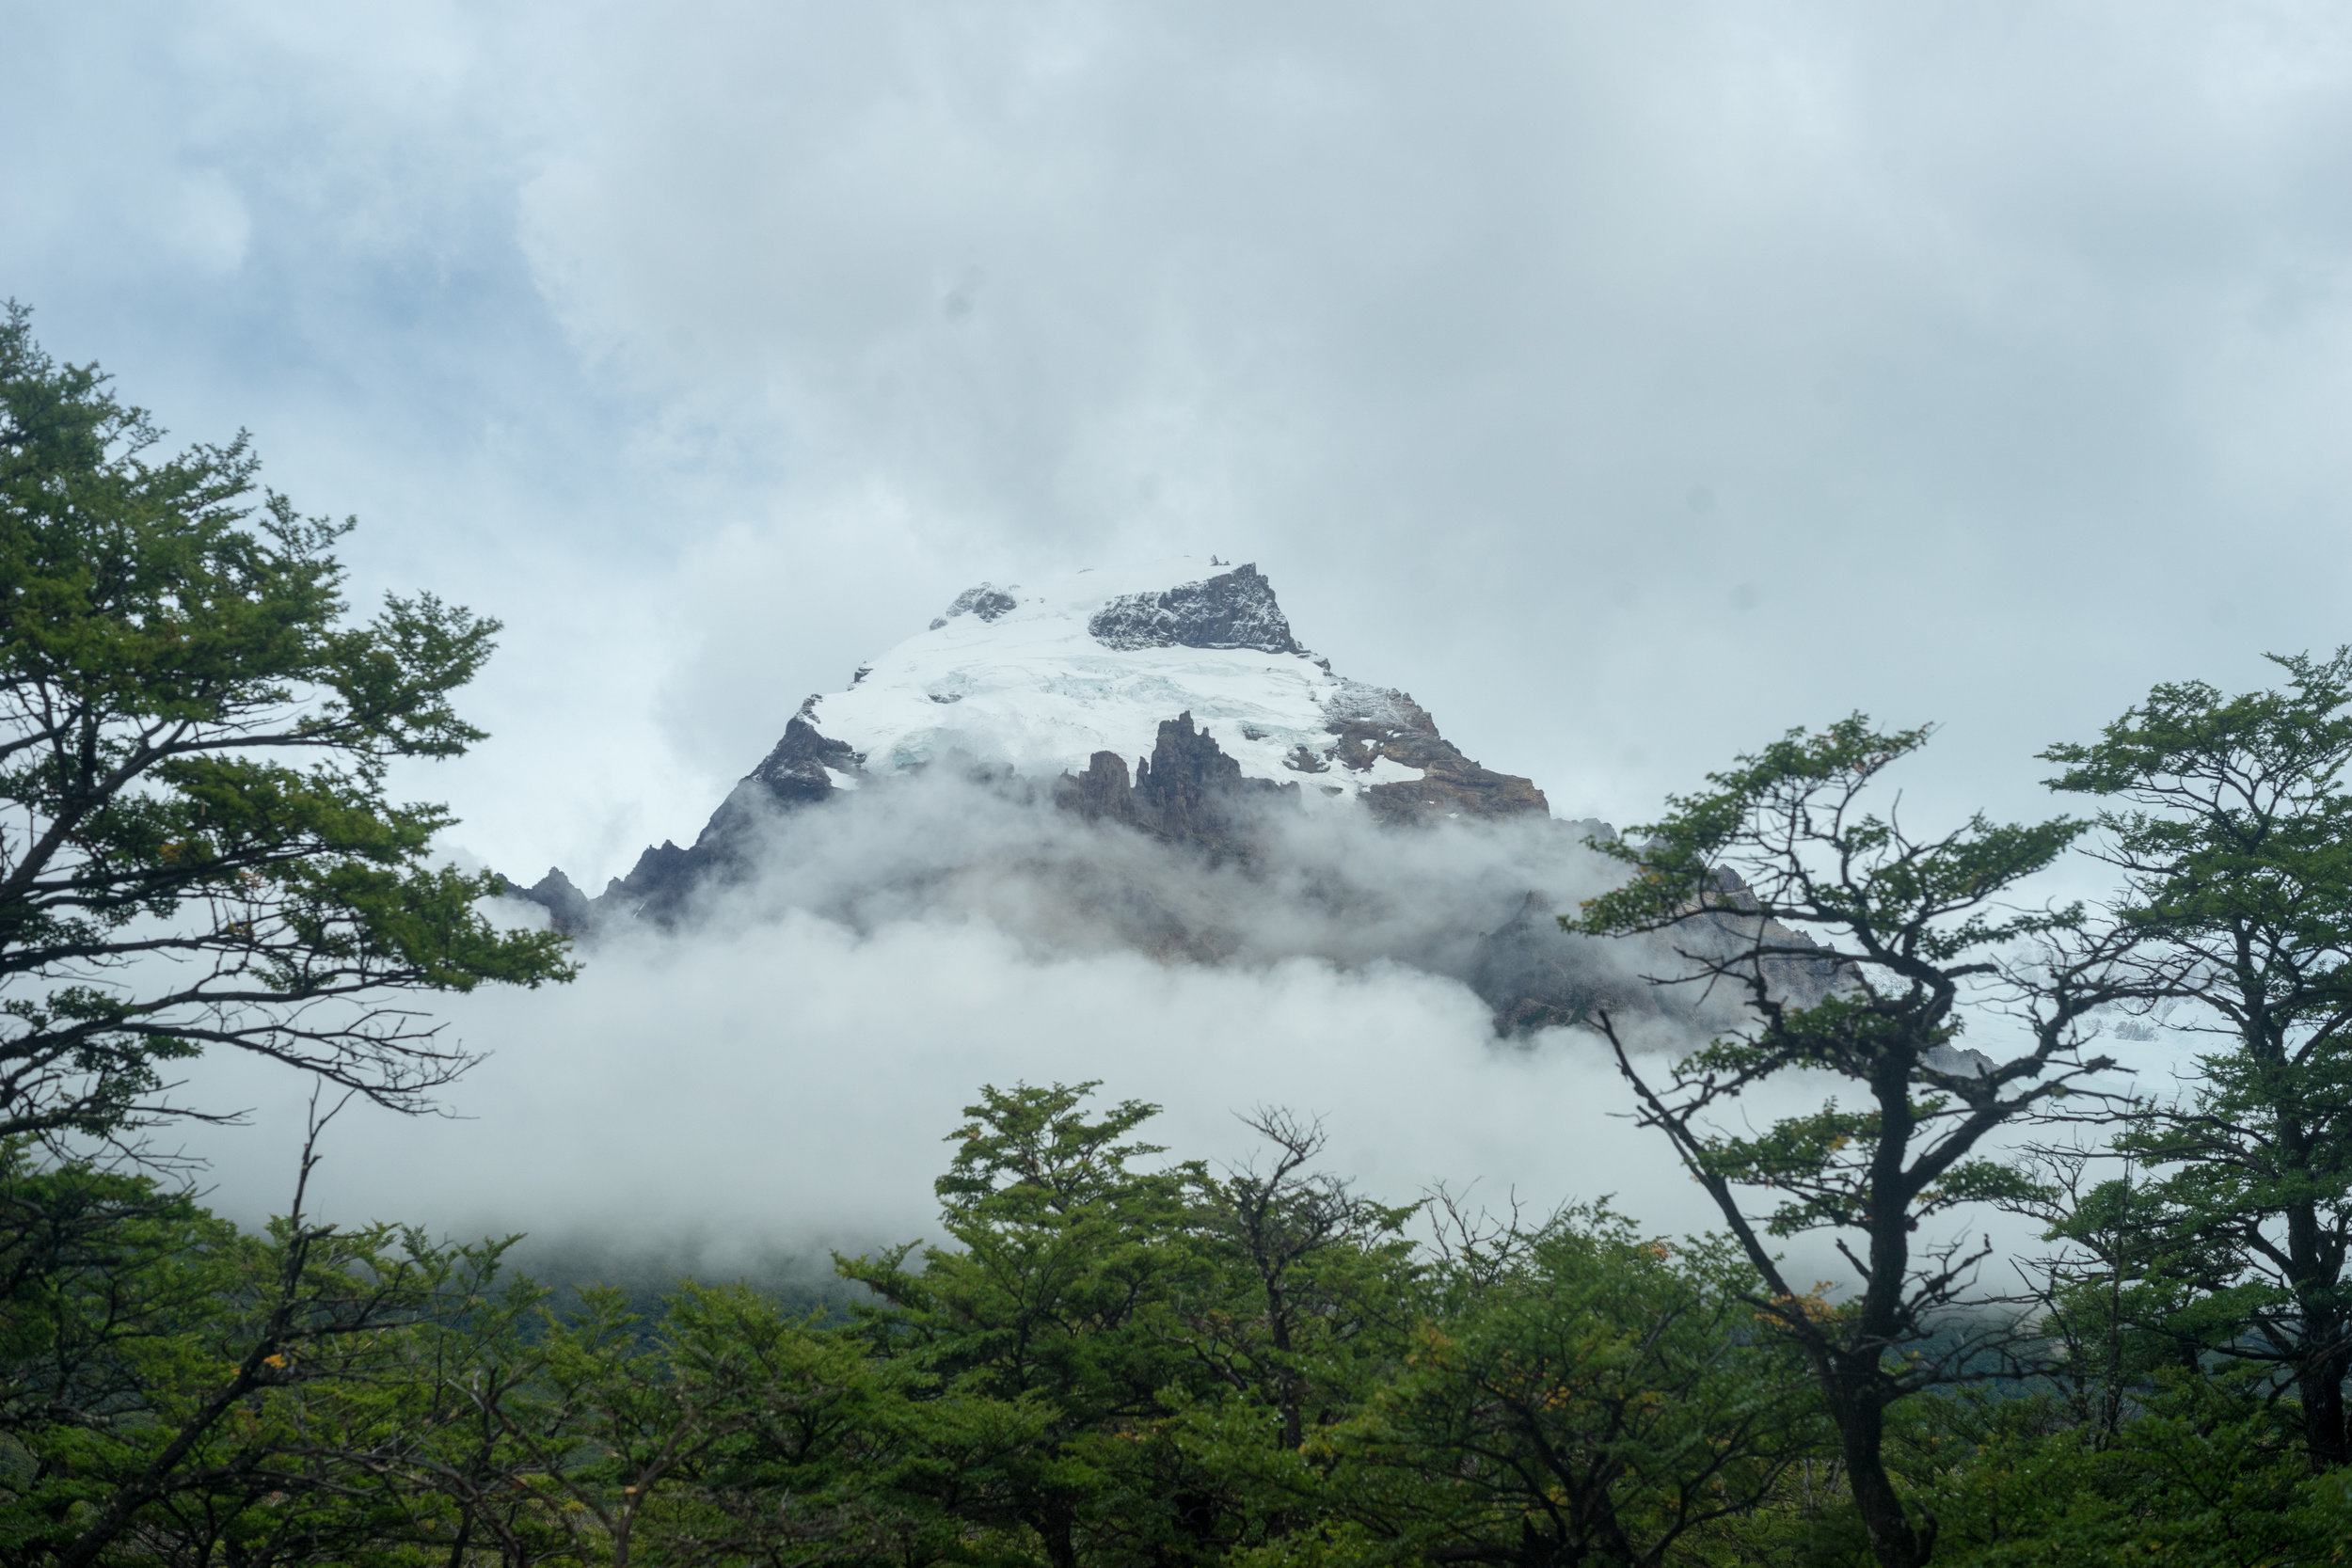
{"x":776,"y":1075}
{"x":967,"y":840}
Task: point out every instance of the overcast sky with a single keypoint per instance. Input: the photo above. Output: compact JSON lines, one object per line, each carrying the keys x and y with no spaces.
{"x":1627,"y":382}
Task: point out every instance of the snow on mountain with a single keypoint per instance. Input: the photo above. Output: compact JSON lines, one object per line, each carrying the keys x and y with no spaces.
{"x":1192,"y":671}
{"x":1274,"y":807}
{"x":1039,"y":677}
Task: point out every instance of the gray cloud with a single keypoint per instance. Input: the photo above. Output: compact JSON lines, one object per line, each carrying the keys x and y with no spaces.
{"x":1629,"y":385}
{"x":776,"y":1078}
{"x":789,"y":1087}
{"x":1626,"y":383}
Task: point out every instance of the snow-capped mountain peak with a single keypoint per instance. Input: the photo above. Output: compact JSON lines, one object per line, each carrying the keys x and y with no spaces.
{"x":1190,"y":674}
{"x":1041,"y":679}
{"x":1133,"y":755}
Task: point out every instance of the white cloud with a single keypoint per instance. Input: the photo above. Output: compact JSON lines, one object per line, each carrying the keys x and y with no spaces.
{"x":779,"y":1077}
{"x":752,"y":333}
{"x":1627,"y":382}
{"x":792,"y":1086}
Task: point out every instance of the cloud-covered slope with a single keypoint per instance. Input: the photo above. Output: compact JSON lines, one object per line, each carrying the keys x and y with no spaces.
{"x":1274,"y":809}
{"x":1055,"y":686}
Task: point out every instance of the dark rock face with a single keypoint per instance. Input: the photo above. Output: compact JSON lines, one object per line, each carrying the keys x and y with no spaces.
{"x":1799,"y":982}
{"x":666,"y":878}
{"x":1960,"y":1061}
{"x":795,"y":771}
{"x":1372,"y":724}
{"x":569,"y":910}
{"x":1535,"y":976}
{"x":1102,"y":793}
{"x":986,"y":601}
{"x":1187,"y":791}
{"x":1233,"y":610}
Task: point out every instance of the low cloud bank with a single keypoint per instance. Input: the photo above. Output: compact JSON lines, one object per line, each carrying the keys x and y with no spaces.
{"x":778,"y":1078}
{"x":1290,"y":877}
{"x":793,"y":1083}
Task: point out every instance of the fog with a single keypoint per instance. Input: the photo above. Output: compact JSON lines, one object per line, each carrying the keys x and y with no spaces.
{"x":778,"y":1076}
{"x":792,"y":1083}
{"x":780,"y":1070}
{"x":968,"y":841}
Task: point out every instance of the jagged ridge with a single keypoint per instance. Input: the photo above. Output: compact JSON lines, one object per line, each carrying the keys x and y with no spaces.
{"x":1234,"y":610}
{"x":1322,"y":742}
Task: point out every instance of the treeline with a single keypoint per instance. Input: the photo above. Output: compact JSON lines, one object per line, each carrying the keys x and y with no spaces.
{"x":1111,"y":1359}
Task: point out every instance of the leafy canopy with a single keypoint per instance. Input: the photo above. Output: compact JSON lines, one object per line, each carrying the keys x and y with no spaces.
{"x":1858,"y":948}
{"x":197,"y":845}
{"x":2231,"y":823}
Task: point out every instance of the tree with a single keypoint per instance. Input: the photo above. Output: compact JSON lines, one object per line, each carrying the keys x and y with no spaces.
{"x":1779,"y":873}
{"x":1580,"y":1393}
{"x":199,"y":848}
{"x":177,"y":1389}
{"x":1316,"y":1261}
{"x":2119,"y":1302}
{"x":722,"y":1440}
{"x":1048,"y":1338}
{"x":1306,"y":1304}
{"x":2232,"y":827}
{"x":813,"y":1430}
{"x":2205,"y":1472}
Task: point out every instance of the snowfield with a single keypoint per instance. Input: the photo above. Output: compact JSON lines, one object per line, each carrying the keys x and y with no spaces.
{"x":1031,"y":688}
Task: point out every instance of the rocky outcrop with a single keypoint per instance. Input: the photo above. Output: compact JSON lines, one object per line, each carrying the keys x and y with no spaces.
{"x":986,"y":601}
{"x":1800,"y":982}
{"x":1236,"y":610}
{"x":799,"y":770}
{"x":1187,"y":791}
{"x":1372,"y":724}
{"x":1537,"y":976}
{"x":1960,"y":1061}
{"x":569,"y":910}
{"x":1102,"y":793}
{"x":665,"y":879}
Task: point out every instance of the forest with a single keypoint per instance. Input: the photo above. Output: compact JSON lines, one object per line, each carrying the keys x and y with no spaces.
{"x":1112,"y":1353}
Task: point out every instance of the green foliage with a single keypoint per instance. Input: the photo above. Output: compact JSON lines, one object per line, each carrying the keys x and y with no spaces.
{"x":2206,"y":1473}
{"x":1116,"y":1365}
{"x":177,"y":1388}
{"x":737,"y":1433}
{"x":1861,"y":950}
{"x":199,"y":848}
{"x":1087,"y":1374}
{"x":1600,"y":1397}
{"x":1789,"y":820}
{"x":2232,"y":829}
{"x":1045,"y":1338}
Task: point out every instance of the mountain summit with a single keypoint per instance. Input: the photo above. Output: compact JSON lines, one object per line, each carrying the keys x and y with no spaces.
{"x":1197,"y":677}
{"x":1046,"y":680}
{"x":1187,"y":778}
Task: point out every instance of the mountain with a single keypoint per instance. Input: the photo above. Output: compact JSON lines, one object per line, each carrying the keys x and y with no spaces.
{"x":1261,"y":780}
